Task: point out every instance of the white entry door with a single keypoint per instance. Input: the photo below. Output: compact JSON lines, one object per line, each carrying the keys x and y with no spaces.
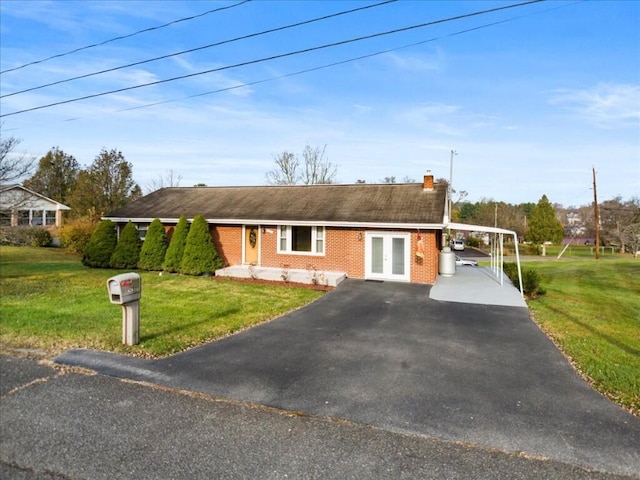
{"x":387,"y":256}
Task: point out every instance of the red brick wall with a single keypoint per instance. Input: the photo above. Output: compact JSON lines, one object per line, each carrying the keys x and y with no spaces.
{"x":228,"y":242}
{"x":343,"y":253}
{"x":424,"y":270}
{"x":344,"y":247}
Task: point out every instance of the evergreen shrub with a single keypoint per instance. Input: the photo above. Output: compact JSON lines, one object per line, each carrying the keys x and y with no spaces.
{"x":200,"y":255}
{"x":154,"y":247}
{"x":175,"y":251}
{"x":101,"y":245}
{"x":530,"y":280}
{"x":127,"y":251}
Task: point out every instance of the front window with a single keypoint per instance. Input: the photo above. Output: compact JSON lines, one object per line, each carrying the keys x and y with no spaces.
{"x":301,"y":239}
{"x":142,"y":230}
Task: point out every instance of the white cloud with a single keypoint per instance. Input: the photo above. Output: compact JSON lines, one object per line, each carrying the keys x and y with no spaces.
{"x":415,"y":63}
{"x":605,"y":105}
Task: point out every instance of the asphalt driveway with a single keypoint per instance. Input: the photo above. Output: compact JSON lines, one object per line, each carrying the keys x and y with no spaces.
{"x":387,"y":355}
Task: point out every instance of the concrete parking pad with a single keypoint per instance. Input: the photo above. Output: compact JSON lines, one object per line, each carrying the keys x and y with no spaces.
{"x":477,"y":285}
{"x":388,"y":355}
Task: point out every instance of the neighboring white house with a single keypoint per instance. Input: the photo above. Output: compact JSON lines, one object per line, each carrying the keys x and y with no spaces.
{"x":20,"y":206}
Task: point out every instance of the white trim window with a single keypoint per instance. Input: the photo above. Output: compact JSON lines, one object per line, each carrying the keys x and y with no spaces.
{"x":301,"y":239}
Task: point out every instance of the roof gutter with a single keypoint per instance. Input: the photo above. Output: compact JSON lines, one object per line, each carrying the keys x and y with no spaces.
{"x":251,"y":221}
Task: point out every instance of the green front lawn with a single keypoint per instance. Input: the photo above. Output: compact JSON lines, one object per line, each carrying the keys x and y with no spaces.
{"x":50,"y":301}
{"x":592,"y":311}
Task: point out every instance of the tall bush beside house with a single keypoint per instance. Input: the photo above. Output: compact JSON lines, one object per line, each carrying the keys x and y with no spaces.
{"x":127,"y":252}
{"x":175,"y":251}
{"x":75,"y":234}
{"x":154,"y":247}
{"x":101,"y":246}
{"x":200,"y":255}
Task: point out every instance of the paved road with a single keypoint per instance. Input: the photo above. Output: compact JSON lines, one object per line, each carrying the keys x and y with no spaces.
{"x":386,"y":355}
{"x":58,"y":424}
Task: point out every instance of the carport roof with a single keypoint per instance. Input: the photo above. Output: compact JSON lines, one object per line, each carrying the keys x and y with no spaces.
{"x":408,"y":205}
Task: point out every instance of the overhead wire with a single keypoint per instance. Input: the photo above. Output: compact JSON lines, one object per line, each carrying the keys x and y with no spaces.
{"x":313,"y":69}
{"x":204,"y":47}
{"x":307,"y":70}
{"x":274,"y":57}
{"x":122,"y":37}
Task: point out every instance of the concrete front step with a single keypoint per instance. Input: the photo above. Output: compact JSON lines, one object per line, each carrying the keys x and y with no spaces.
{"x":293,"y":275}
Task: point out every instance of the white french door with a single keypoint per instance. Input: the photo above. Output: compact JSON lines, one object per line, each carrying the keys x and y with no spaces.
{"x":387,"y":256}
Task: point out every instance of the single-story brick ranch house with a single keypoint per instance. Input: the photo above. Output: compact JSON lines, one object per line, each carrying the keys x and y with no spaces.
{"x":365,"y":231}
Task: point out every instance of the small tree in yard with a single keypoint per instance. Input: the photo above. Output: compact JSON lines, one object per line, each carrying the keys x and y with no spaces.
{"x":173,"y":256}
{"x":101,"y":246}
{"x":200,"y":255}
{"x":543,"y":225}
{"x":127,"y":252}
{"x":154,"y":247}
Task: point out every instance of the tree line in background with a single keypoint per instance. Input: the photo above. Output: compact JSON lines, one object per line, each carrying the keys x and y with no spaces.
{"x":619,"y":220}
{"x":107,"y":184}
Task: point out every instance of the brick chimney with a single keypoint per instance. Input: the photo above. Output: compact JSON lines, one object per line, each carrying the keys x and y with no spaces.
{"x":428,"y":182}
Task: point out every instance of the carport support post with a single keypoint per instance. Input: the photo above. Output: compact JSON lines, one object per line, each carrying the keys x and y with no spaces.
{"x":131,"y":323}
{"x":515,"y":242}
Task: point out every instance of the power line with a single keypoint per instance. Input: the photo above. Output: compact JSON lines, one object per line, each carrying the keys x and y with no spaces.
{"x":330,"y":65}
{"x":312,"y":69}
{"x":274,"y":57}
{"x":163,"y":57}
{"x":150,"y":29}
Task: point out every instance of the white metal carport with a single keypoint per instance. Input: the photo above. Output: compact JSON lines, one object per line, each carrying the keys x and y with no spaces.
{"x":496,"y":248}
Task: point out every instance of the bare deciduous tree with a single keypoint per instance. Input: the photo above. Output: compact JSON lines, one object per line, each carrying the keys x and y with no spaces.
{"x":631,"y":237}
{"x":286,"y":170}
{"x":169,"y":180}
{"x":13,"y":166}
{"x":316,"y":168}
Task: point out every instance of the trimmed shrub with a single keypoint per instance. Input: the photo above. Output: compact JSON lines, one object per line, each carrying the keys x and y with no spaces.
{"x":473,"y":242}
{"x":200,"y":255}
{"x":154,"y":247}
{"x":75,"y":234}
{"x":39,"y":237}
{"x":23,"y":236}
{"x":127,"y":252}
{"x":173,"y":257}
{"x":531,"y":284}
{"x":530,"y":280}
{"x":101,"y":246}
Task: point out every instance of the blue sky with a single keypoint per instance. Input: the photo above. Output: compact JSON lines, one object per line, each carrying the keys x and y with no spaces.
{"x":530,"y":101}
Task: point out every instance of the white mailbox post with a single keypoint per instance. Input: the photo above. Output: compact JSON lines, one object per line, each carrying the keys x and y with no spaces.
{"x":125,"y":290}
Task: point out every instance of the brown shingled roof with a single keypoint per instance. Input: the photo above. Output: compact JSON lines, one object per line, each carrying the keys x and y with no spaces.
{"x":368,"y":203}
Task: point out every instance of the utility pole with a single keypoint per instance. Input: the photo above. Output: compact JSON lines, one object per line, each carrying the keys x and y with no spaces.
{"x":596,"y":215}
{"x":453,"y":152}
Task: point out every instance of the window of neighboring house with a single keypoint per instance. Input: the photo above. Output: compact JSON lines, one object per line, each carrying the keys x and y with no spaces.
{"x":36,"y":217}
{"x":23,"y":217}
{"x":49,"y":217}
{"x":301,"y":239}
{"x":5,"y":218}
